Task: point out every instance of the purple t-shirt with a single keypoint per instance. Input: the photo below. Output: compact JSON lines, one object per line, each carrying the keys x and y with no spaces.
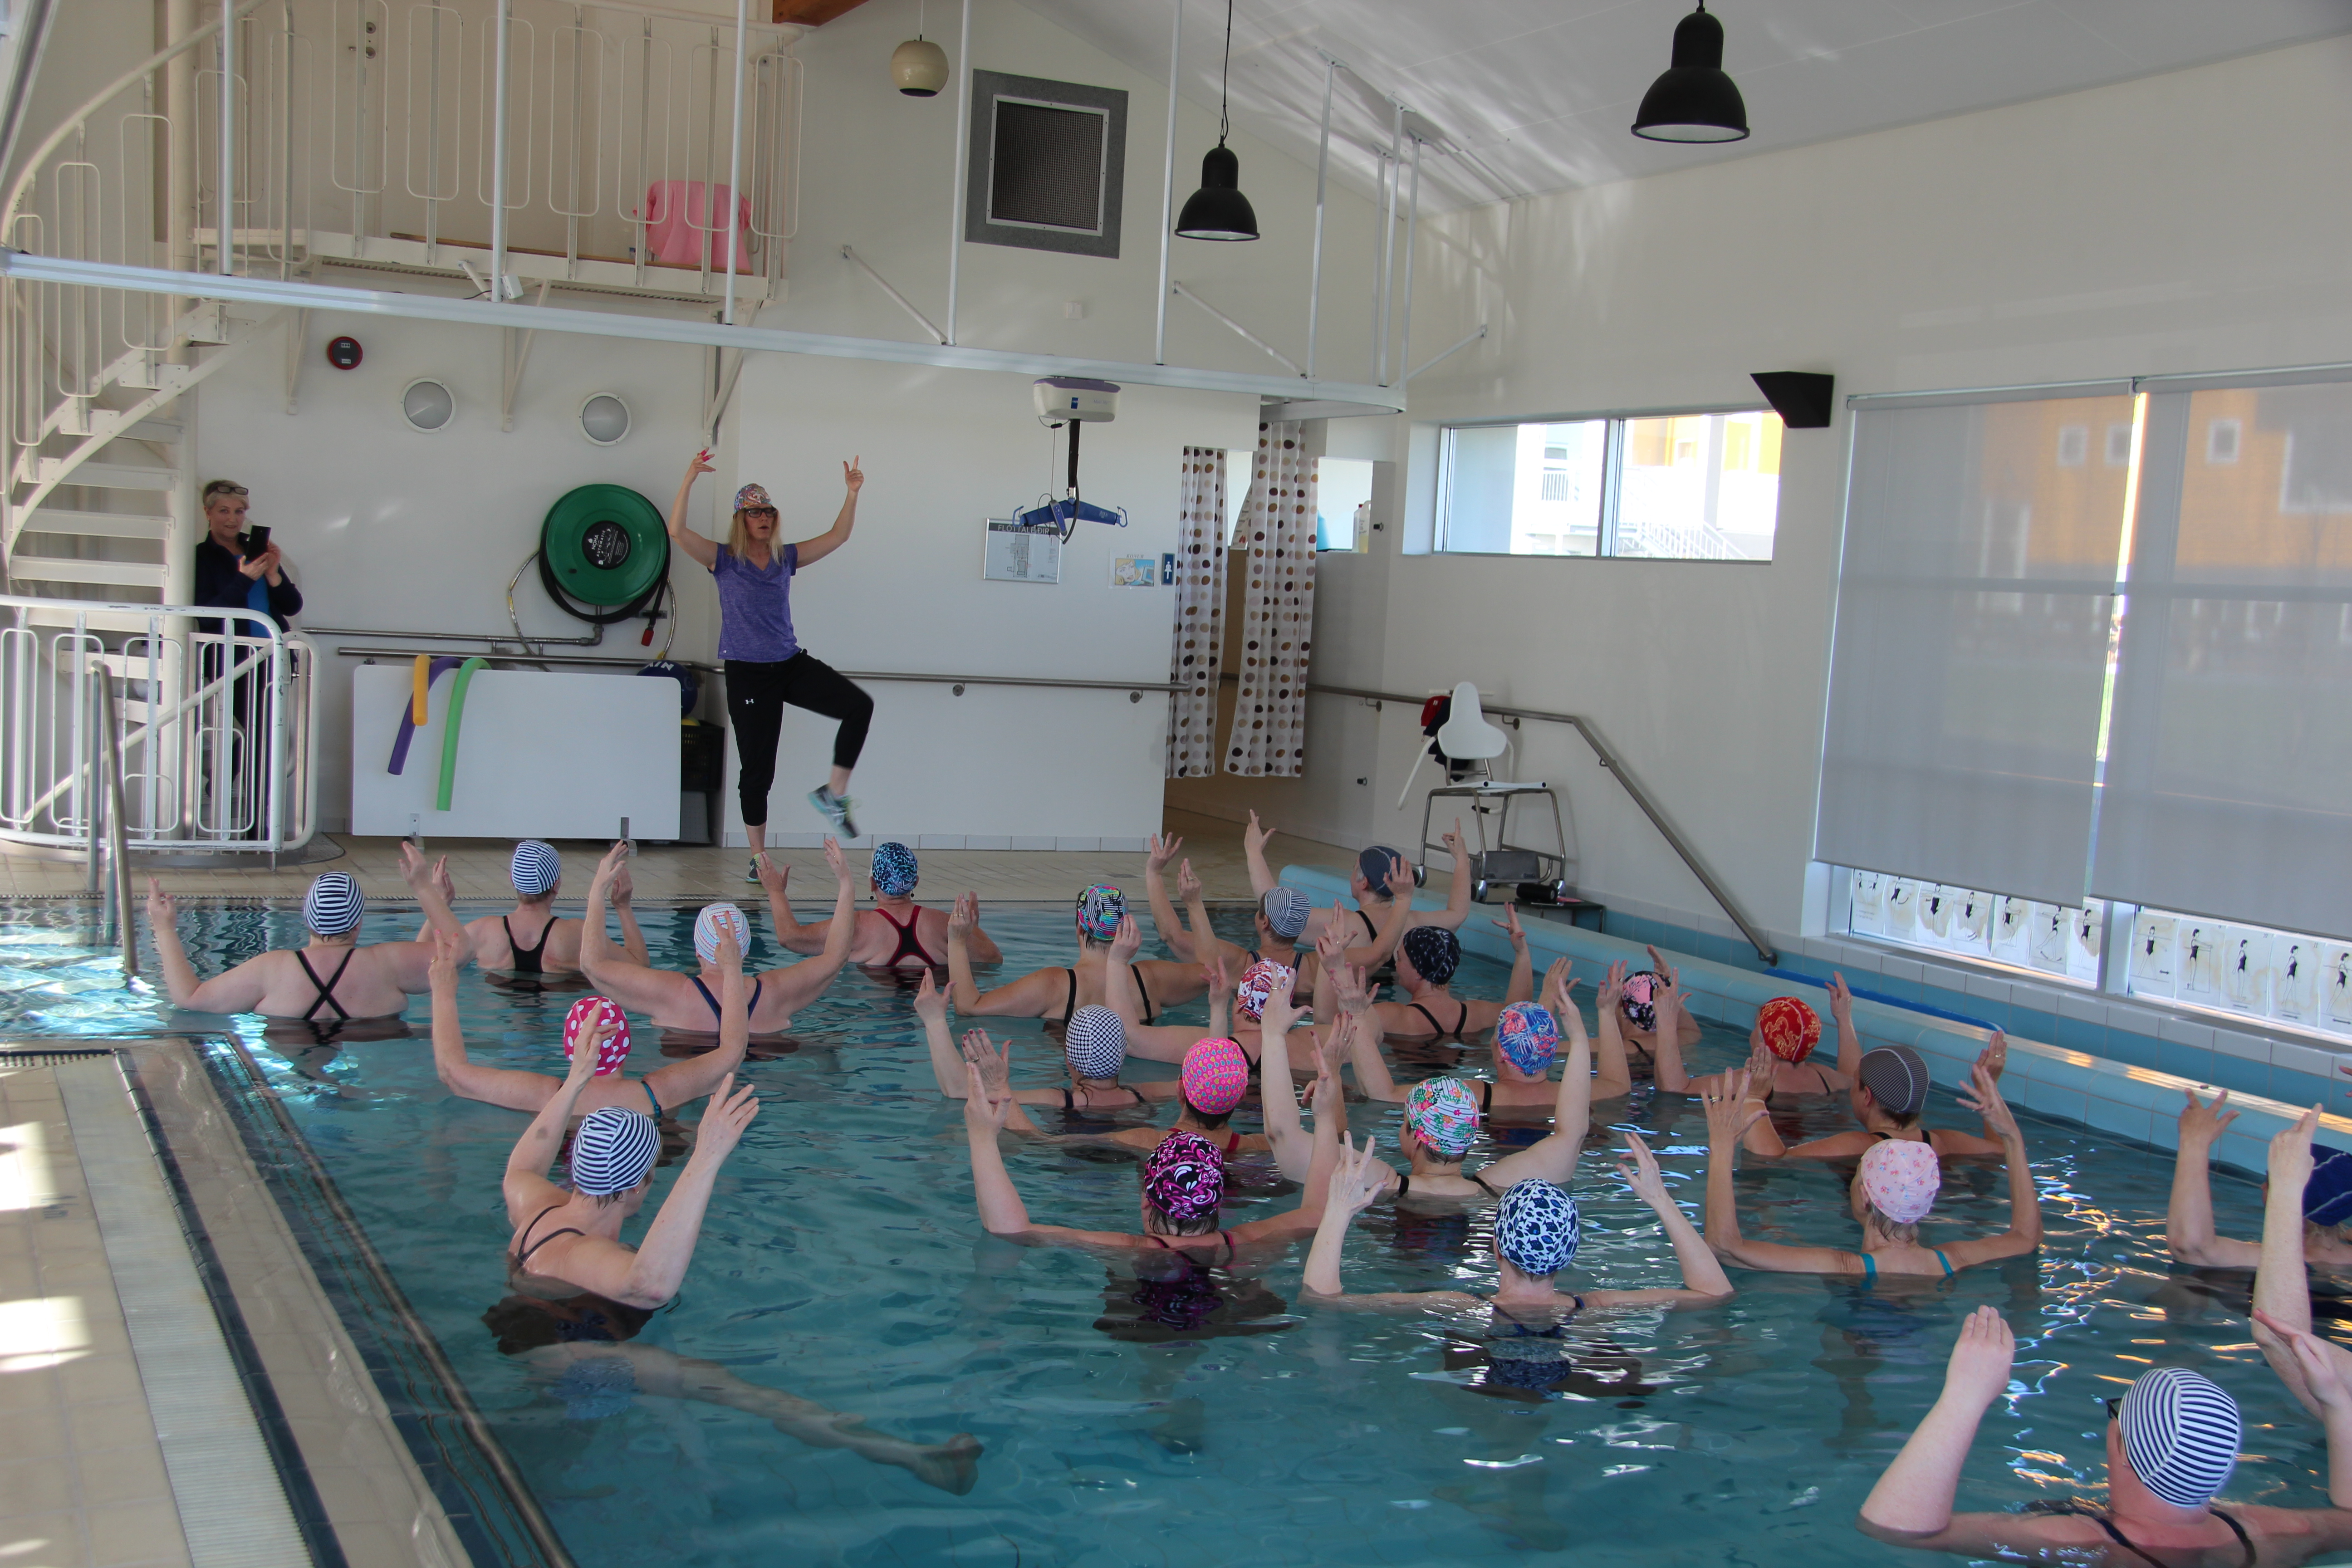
{"x":755,"y":607}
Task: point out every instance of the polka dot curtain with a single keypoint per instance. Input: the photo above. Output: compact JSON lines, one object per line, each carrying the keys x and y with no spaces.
{"x":1197,"y":658}
{"x":1277,"y":529}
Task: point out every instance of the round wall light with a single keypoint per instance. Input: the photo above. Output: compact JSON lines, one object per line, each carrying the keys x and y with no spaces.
{"x":604,"y":419}
{"x":427,"y":405}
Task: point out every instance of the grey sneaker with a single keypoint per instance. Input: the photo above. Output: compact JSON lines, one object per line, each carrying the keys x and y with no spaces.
{"x":834,"y":809}
{"x":752,"y":871}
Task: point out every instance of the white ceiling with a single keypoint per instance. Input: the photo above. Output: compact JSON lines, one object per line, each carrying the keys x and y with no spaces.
{"x":1541,"y":92}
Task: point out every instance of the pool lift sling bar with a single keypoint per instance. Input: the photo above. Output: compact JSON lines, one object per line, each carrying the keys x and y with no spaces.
{"x":603,"y":556}
{"x":1072,"y":401}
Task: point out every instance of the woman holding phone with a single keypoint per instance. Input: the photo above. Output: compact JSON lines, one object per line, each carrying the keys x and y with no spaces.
{"x":766,"y":666}
{"x":238,"y":571}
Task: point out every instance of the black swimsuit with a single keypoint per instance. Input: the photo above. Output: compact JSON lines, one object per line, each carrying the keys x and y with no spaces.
{"x":1224,"y":1236}
{"x":1442,"y":1032}
{"x":1071,"y":1005}
{"x":527,"y":959}
{"x":1404,"y":1185}
{"x":2077,"y":1508}
{"x":519,"y":1256}
{"x":1070,"y":1101}
{"x":707,"y":996}
{"x":327,"y":987}
{"x":909,"y":944}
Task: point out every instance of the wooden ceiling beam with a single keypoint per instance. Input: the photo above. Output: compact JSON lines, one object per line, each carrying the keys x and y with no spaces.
{"x":812,"y":13}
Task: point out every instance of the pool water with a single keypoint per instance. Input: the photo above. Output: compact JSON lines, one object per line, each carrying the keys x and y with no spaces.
{"x":842,"y":1262}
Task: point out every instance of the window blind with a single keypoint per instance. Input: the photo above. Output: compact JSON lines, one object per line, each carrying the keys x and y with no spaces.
{"x":1967,"y":667}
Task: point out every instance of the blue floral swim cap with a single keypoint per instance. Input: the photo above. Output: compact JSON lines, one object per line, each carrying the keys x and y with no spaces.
{"x":1538,"y":1228}
{"x":894,"y":871}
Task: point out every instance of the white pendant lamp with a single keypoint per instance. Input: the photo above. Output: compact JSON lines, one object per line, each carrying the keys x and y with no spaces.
{"x":918,"y":68}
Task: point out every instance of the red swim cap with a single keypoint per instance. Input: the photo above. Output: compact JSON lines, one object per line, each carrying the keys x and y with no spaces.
{"x":1790,"y":1028}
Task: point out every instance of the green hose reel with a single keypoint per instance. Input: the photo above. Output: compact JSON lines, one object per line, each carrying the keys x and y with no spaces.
{"x":604,"y":554}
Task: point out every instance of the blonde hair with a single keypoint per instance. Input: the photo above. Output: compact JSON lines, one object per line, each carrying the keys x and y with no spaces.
{"x":738,"y":538}
{"x":1907,"y":1233}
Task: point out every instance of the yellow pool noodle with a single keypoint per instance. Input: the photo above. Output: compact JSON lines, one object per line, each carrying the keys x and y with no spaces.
{"x":422,"y":681}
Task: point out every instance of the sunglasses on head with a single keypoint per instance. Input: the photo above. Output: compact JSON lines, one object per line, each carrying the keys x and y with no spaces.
{"x":220,"y":488}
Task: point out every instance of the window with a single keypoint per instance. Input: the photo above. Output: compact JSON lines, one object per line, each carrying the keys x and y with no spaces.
{"x":2060,"y":941}
{"x":1343,"y":503}
{"x":1677,"y":487}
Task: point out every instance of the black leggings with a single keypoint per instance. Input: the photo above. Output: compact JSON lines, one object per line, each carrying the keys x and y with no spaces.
{"x":756,"y":695}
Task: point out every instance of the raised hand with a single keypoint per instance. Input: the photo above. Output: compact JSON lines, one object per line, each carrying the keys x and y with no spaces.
{"x":1510,"y":923}
{"x":930,"y":1002}
{"x":610,"y":865}
{"x":990,"y":1065}
{"x":413,"y":868}
{"x":588,"y":1050}
{"x":732,"y":1111}
{"x":1331,"y":947}
{"x":1763,"y":1067}
{"x":625,"y":887}
{"x":964,"y":916}
{"x":2201,"y":1120}
{"x":2291,"y":1159}
{"x":1984,"y":1098}
{"x":1218,"y":976}
{"x":1160,"y":849}
{"x":775,"y":878}
{"x":1348,"y":986}
{"x":1729,"y":1116}
{"x":1128,"y":942}
{"x":1189,"y":884}
{"x":448,"y":952}
{"x":1555,"y":988}
{"x":833,"y":858}
{"x":162,"y":909}
{"x":2321,"y":1374}
{"x":1978,"y":1373}
{"x":980,"y":1111}
{"x":1640,"y":1169}
{"x":1841,"y":1002}
{"x":698,"y":464}
{"x":730,"y":957}
{"x":1400,"y":878}
{"x":447,"y":884}
{"x":1612,"y":987}
{"x":1455,"y":845}
{"x":1255,"y":837}
{"x":1359,"y":1179}
{"x":853,"y":478}
{"x":1995,"y":1056}
{"x":1275,"y":1018}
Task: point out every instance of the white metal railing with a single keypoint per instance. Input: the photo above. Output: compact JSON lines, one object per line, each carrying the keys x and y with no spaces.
{"x":213,"y":730}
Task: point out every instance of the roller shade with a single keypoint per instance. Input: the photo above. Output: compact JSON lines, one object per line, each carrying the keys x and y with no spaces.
{"x":1967,"y":667}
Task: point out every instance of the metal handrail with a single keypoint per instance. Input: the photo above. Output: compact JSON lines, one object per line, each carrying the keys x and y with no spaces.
{"x":1615,"y":768}
{"x":117,"y":849}
{"x":1134,"y":688}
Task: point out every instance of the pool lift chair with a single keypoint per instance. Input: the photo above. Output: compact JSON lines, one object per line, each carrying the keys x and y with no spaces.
{"x":1468,"y":745}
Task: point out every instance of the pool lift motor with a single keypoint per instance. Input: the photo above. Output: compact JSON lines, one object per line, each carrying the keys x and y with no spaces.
{"x":1073,"y":401}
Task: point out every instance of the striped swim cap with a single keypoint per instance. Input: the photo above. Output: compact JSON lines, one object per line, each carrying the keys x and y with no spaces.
{"x":1216,"y":1077}
{"x":1788,"y":1027}
{"x":1435,"y":952}
{"x":1185,"y":1177}
{"x":1443,"y":1113}
{"x":333,"y":905}
{"x":714,"y":919}
{"x":1528,"y":1036}
{"x":1096,"y":1042}
{"x":1286,"y":909}
{"x":1100,"y":909}
{"x":535,"y":869}
{"x":2327,"y":1195}
{"x":893,"y":870}
{"x":585,"y":1014}
{"x":1538,"y":1228}
{"x":1258,"y":983}
{"x":613,"y":1150}
{"x":2180,"y":1433}
{"x":1896,"y":1077}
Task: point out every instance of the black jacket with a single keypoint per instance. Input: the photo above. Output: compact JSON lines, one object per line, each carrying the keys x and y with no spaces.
{"x":218,"y":581}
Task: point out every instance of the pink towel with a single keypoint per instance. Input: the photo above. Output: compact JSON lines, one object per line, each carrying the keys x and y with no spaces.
{"x":678,"y":223}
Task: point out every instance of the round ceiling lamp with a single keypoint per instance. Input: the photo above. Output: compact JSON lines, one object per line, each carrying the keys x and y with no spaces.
{"x":1218,"y":210}
{"x":918,"y":68}
{"x":1695,"y":100}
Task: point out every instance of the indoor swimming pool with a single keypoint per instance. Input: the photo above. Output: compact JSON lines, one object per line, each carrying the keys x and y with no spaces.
{"x":1216,"y":1418}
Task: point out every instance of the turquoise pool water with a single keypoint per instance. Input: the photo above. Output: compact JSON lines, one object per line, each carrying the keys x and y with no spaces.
{"x":843,"y":1262}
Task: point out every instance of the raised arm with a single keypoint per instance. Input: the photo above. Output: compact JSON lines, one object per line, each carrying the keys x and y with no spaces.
{"x":1729,"y":1114}
{"x":1027,"y":997}
{"x":1358,"y":1178}
{"x":623,"y":895}
{"x":1523,"y":975}
{"x":2282,"y":1288}
{"x":1703,"y":1280}
{"x":2024,"y":1232}
{"x":1912,"y":1503}
{"x":1612,"y":1074}
{"x":947,"y":1062}
{"x":526,"y":1175}
{"x":678,"y":1083}
{"x":705,"y":553}
{"x":493,"y":1086}
{"x":659,"y":1264}
{"x":809,"y":551}
{"x":1152,"y":1042}
{"x":1372,"y":1076}
{"x":790,"y":935}
{"x":1457,"y":894}
{"x":2322,"y":1365}
{"x":1401,"y":917}
{"x":1278,"y":1089}
{"x":805,"y":981}
{"x":633,"y":985}
{"x":1253,"y":842}
{"x":1666,"y":997}
{"x":1849,"y":1056}
{"x":991,"y":1066}
{"x":412,"y":961}
{"x":1160,"y":849}
{"x":2189,"y":1218}
{"x":1553,"y":1157}
{"x":238,"y":991}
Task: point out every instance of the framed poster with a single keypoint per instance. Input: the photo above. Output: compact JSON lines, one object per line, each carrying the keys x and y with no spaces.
{"x":1013,"y":553}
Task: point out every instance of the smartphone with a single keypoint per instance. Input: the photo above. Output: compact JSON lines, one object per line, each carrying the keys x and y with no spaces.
{"x":256,"y":539}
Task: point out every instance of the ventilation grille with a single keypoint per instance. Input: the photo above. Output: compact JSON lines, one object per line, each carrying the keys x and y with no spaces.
{"x":1046,"y":167}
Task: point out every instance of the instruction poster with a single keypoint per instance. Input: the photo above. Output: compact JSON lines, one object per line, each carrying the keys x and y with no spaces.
{"x":1015,"y":553}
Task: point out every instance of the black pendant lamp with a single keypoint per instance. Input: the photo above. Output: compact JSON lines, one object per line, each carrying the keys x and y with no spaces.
{"x":1693,"y":100}
{"x":1218,"y":210}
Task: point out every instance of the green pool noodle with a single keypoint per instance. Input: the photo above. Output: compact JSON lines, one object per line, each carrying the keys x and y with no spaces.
{"x":449,"y":722}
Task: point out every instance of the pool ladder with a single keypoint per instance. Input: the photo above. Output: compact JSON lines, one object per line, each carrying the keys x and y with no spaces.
{"x":107,"y":743}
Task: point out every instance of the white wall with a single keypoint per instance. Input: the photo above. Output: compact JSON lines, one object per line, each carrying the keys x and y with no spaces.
{"x":2172,"y":224}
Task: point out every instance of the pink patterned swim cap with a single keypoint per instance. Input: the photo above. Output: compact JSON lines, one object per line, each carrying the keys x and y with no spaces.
{"x":1184,"y":1178}
{"x":1901,"y":1179}
{"x":587,"y":1014}
{"x":1259,"y":982}
{"x":1216,"y":1077}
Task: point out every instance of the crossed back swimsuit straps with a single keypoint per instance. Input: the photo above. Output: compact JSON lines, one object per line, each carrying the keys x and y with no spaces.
{"x":909,"y":944}
{"x":527,"y":959}
{"x":2079,"y":1508}
{"x":713,"y":1001}
{"x":1224,"y":1236}
{"x":1071,"y":1005}
{"x":326,"y":987}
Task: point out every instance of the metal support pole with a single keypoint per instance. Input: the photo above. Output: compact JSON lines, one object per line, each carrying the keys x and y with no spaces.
{"x":904,"y":303}
{"x":1288,"y":364}
{"x":1445,"y":353}
{"x":1322,"y":182}
{"x":955,"y":175}
{"x":224,"y":233}
{"x":498,"y":154}
{"x":1412,"y":224}
{"x":117,"y":839}
{"x":735,"y":162}
{"x":1167,"y":189}
{"x":1387,"y":230}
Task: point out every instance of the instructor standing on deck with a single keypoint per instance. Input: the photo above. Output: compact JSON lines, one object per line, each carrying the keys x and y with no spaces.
{"x":766,"y":666}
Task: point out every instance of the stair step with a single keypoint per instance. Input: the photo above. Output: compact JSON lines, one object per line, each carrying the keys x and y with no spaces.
{"x":53,"y":569}
{"x":163,"y":430}
{"x":115,"y":476}
{"x":104,"y":524}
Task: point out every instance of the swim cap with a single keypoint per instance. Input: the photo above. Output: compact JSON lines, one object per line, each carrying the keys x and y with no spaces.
{"x":535,"y":868}
{"x":1373,"y":864}
{"x":714,"y":919}
{"x":2180,"y":1433}
{"x":751,"y":496}
{"x":1537,"y":1227}
{"x":613,"y":1150}
{"x":1636,"y":1002}
{"x":1259,"y":982}
{"x":1790,"y":1028}
{"x":1096,"y":1042}
{"x":1443,"y":1113}
{"x":1286,"y":909}
{"x":1528,"y":1036}
{"x":585,"y":1014}
{"x":1900,"y":1179}
{"x":893,"y":870}
{"x":1100,"y":909}
{"x":1216,"y":1075}
{"x":1436,"y":951}
{"x":1896,"y":1077}
{"x":1184,"y":1178}
{"x":333,"y":905}
{"x":2327,"y":1195}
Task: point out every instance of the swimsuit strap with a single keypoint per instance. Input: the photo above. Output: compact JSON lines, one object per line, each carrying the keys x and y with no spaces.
{"x":707,"y":999}
{"x":1071,"y":1005}
{"x":647,"y":1085}
{"x":1486,"y":1096}
{"x":1404,"y":1183}
{"x":909,"y":944}
{"x":1142,"y":990}
{"x":1155,"y":1241}
{"x":1942,"y":1260}
{"x":1069,"y":1101}
{"x":1372,"y":932}
{"x":522,"y":1255}
{"x":1479,"y":1177}
{"x":1233,"y":1141}
{"x":1436,"y":1028}
{"x":712,"y":1002}
{"x":326,"y":988}
{"x":2237,"y":1529}
{"x":527,"y":959}
{"x":1869,"y":1269}
{"x":2076,"y":1507}
{"x":1229,"y":1257}
{"x":1463,"y":1022}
